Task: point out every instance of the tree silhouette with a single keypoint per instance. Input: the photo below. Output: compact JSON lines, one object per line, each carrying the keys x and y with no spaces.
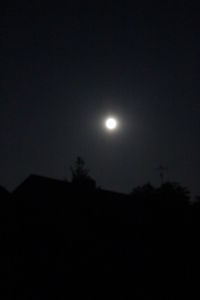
{"x":80,"y":174}
{"x":144,"y":191}
{"x":173,"y":194}
{"x":168,"y":194}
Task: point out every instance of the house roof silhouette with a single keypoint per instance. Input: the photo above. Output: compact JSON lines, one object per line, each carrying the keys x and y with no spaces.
{"x":51,"y":196}
{"x":38,"y":183}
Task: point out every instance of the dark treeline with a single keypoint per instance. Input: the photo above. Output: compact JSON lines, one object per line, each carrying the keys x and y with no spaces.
{"x":67,"y":240}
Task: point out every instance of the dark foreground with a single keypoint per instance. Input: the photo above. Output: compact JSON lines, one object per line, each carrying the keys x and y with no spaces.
{"x":63,"y":242}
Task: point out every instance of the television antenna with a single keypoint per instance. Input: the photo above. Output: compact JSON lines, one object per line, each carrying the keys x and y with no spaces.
{"x":162,"y":172}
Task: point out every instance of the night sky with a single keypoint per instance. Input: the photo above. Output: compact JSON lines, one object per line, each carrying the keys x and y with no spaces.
{"x":64,"y":68}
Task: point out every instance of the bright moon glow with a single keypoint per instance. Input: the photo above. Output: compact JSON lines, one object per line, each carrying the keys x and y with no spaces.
{"x":111,"y":123}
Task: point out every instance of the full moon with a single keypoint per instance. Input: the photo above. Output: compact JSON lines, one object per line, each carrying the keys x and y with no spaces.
{"x":111,"y":123}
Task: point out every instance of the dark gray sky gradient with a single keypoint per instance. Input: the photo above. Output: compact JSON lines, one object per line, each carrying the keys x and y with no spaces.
{"x":65,"y":67}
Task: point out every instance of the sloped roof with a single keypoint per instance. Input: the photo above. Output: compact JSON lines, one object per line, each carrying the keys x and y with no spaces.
{"x":40,"y":190}
{"x":41,"y":182}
